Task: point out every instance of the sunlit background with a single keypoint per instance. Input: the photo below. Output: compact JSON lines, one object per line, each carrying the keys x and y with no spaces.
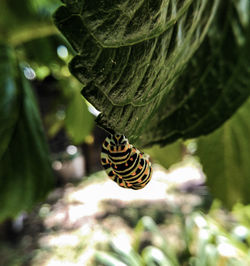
{"x":89,"y":220}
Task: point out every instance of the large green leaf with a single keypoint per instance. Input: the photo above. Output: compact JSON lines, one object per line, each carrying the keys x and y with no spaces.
{"x":25,"y":172}
{"x":131,"y":53}
{"x":9,"y":96}
{"x":225,"y":155}
{"x":215,"y":83}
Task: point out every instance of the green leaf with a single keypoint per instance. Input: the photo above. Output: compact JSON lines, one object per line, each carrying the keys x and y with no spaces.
{"x":166,"y":156}
{"x":130,"y":53}
{"x":146,"y":223}
{"x":9,"y":96}
{"x":225,"y":155}
{"x":108,"y":259}
{"x":25,"y":170}
{"x":126,"y":253}
{"x":79,"y":121}
{"x":215,"y":83}
{"x":242,"y":214}
{"x":26,"y":19}
{"x":155,"y":257}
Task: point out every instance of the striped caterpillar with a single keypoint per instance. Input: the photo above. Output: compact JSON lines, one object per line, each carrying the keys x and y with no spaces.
{"x":125,"y":164}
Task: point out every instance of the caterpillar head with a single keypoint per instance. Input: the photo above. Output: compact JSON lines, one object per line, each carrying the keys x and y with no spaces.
{"x":118,"y":140}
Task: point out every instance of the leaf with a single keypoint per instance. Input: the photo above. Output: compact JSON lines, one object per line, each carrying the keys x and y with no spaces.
{"x":225,"y":155}
{"x":79,"y":121}
{"x":107,"y":259}
{"x":153,"y":256}
{"x":25,"y":170}
{"x":9,"y":96}
{"x":166,"y":156}
{"x":130,"y":53}
{"x":24,"y":20}
{"x":215,"y":83}
{"x":146,"y":223}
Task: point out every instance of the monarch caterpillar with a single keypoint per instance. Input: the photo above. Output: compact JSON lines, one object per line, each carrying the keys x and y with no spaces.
{"x":125,"y":164}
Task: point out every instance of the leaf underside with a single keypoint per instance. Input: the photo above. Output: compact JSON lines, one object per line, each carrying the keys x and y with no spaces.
{"x":214,"y":84}
{"x":131,"y":53}
{"x":146,"y":66}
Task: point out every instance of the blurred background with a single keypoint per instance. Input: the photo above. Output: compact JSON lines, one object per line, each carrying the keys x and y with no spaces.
{"x":86,"y":219}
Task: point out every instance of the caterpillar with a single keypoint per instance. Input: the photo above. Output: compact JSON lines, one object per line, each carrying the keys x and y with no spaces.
{"x":125,"y":164}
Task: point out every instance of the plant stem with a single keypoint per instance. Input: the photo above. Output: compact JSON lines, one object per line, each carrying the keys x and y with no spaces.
{"x":25,"y":34}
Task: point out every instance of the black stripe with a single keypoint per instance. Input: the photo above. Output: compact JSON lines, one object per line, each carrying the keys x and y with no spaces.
{"x":105,"y":143}
{"x":131,"y":165}
{"x":106,"y":166}
{"x":120,"y":154}
{"x":104,"y":150}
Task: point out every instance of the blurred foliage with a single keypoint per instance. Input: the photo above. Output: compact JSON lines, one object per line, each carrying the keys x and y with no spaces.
{"x":10,"y":96}
{"x":73,"y":230}
{"x":127,"y":233}
{"x":225,"y":155}
{"x":30,"y":36}
{"x":168,"y":155}
{"x":32,"y":52}
{"x":78,"y":120}
{"x":206,"y":244}
{"x":25,"y":172}
{"x":242,"y":212}
{"x":26,"y":19}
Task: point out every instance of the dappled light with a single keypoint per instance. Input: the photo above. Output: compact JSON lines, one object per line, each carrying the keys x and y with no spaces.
{"x":83,"y":209}
{"x":96,"y":222}
{"x":62,"y":51}
{"x":29,"y":73}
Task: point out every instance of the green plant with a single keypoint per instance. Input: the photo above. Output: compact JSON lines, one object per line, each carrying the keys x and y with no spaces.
{"x":30,"y":49}
{"x":206,"y":243}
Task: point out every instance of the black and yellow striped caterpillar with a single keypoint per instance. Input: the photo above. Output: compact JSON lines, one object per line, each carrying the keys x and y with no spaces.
{"x":125,"y":164}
